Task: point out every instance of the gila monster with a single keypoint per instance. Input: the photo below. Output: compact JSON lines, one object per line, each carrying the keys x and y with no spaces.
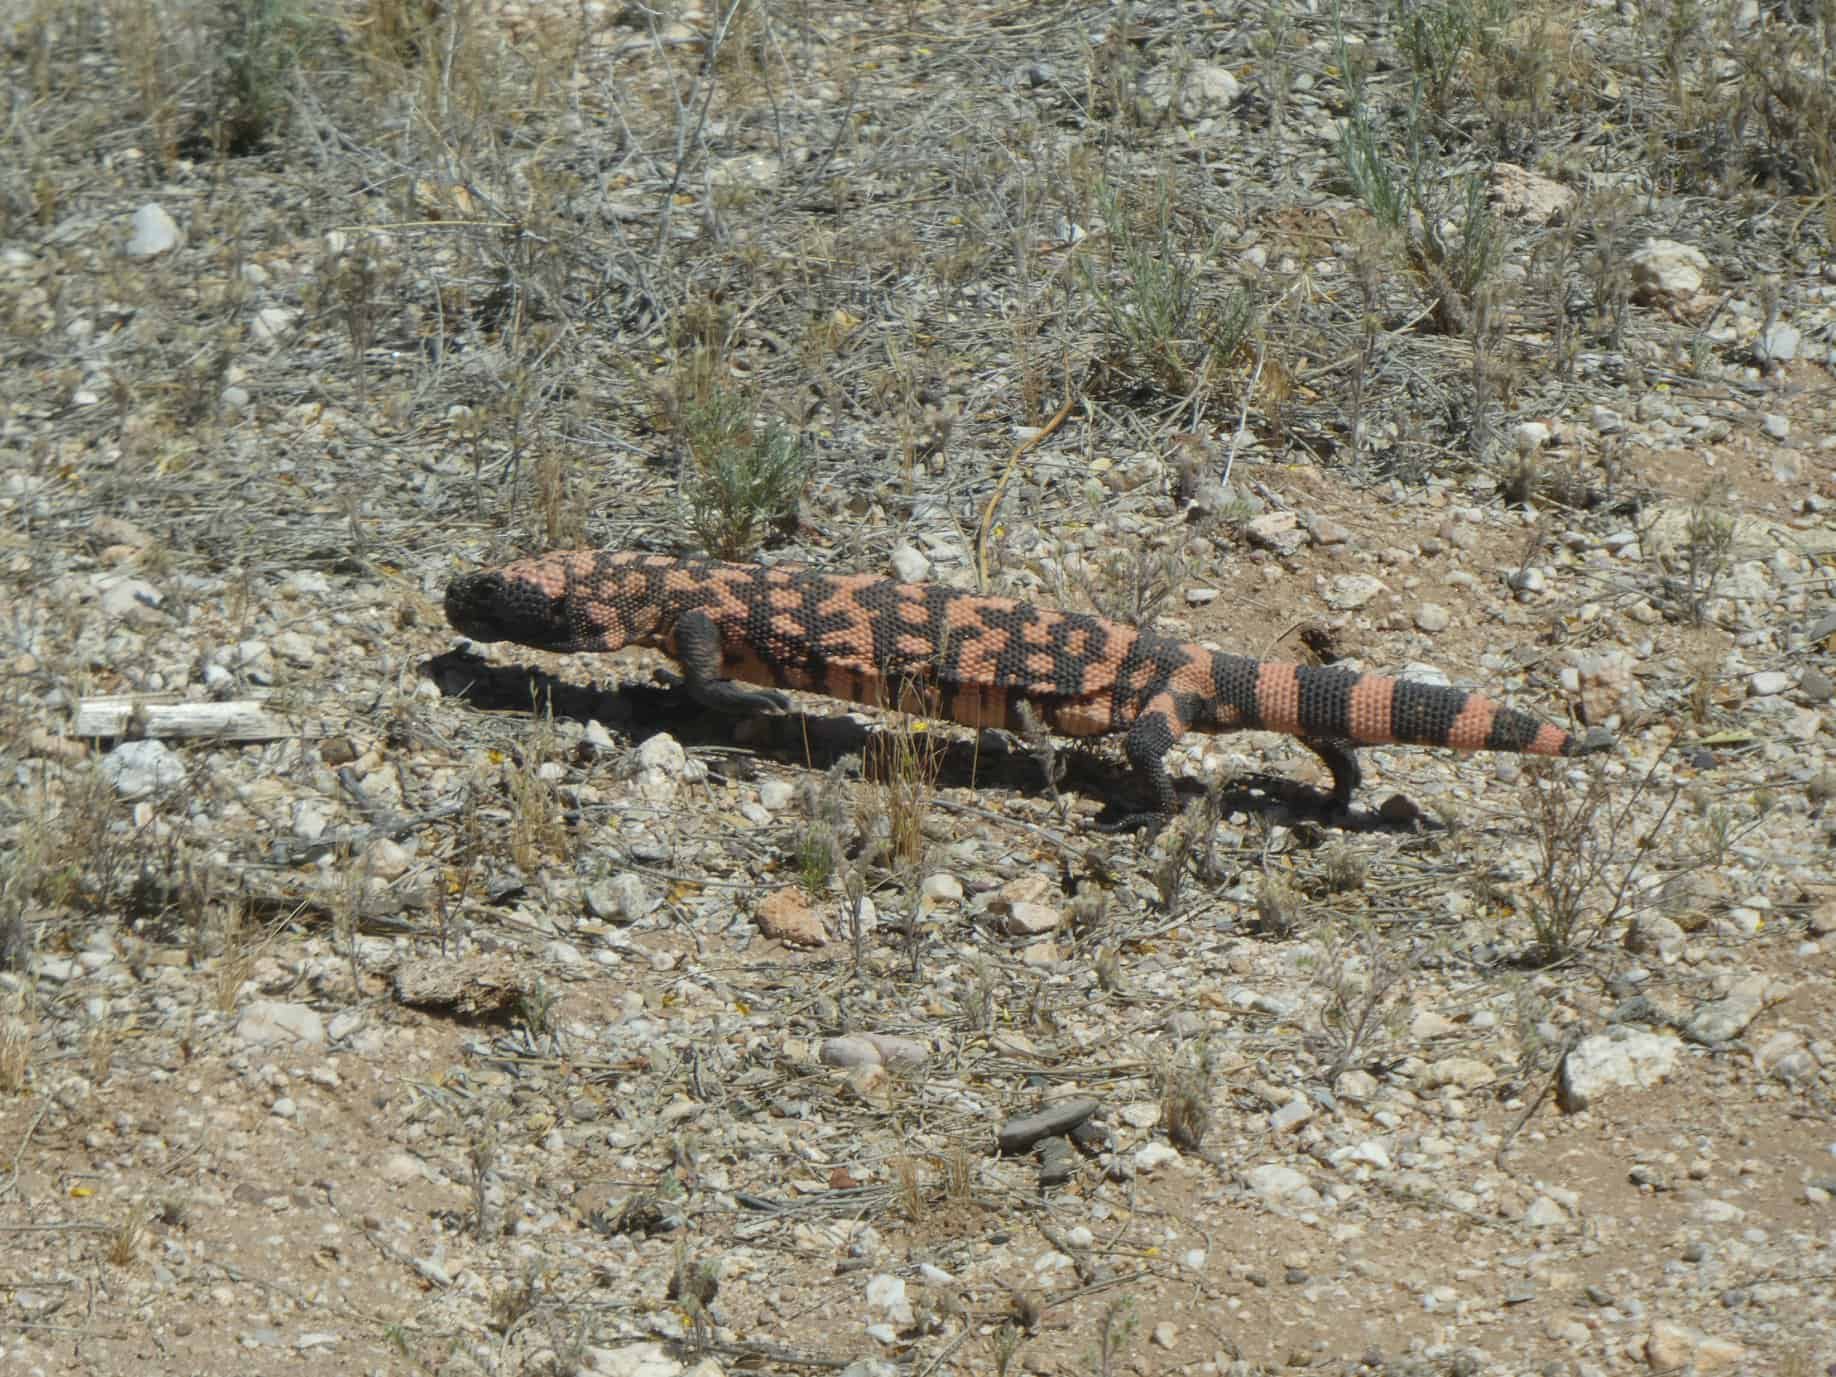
{"x":968,"y":659}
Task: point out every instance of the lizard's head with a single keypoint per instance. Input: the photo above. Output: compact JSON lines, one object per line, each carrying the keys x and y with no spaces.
{"x":500,"y":606}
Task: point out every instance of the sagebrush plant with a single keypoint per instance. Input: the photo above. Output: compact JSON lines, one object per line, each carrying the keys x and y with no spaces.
{"x":1436,"y":41}
{"x":1189,"y":847}
{"x":20,"y":880}
{"x":818,"y":854}
{"x":1439,"y":221}
{"x":483,"y":1156}
{"x":854,"y":914}
{"x":1039,"y":744}
{"x":1140,"y":582}
{"x":1682,"y":30}
{"x":260,"y":44}
{"x":1342,"y":868}
{"x":1437,"y":217}
{"x":1280,"y":907}
{"x":1708,"y":544}
{"x":958,"y":1175}
{"x":101,"y":1043}
{"x":215,"y":78}
{"x":1605,"y":219}
{"x":535,"y":1009}
{"x":742,"y":474}
{"x":908,"y":1179}
{"x":1373,"y":174}
{"x":1112,"y":68}
{"x":1554,"y":260}
{"x":454,"y":69}
{"x":148,"y":57}
{"x":347,"y":910}
{"x":820,"y":848}
{"x":1169,"y":330}
{"x":1719,"y":835}
{"x":1114,"y":1334}
{"x":516,"y":1299}
{"x":1273,"y":42}
{"x":356,"y":280}
{"x":1369,"y":252}
{"x":85,"y":855}
{"x":1788,"y":89}
{"x":1004,"y":1345}
{"x":977,"y":997}
{"x":1531,"y":67}
{"x":563,"y":518}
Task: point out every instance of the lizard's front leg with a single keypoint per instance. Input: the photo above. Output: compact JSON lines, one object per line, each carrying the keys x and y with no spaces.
{"x":698,"y":652}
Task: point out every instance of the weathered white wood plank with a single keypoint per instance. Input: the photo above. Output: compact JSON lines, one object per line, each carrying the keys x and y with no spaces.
{"x":243,"y":719}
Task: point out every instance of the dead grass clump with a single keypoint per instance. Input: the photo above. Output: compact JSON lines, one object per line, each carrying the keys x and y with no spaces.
{"x":237,"y":951}
{"x":1589,"y":857}
{"x":1534,"y":69}
{"x":129,"y":1236}
{"x":902,"y":761}
{"x":80,"y":852}
{"x":908,"y":1181}
{"x":538,"y":824}
{"x":1365,"y":986}
{"x":1185,"y":1095}
{"x":1788,"y":90}
{"x":15,"y":1054}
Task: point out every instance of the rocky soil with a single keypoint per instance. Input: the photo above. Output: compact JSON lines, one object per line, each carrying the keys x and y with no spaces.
{"x":375,"y":1002}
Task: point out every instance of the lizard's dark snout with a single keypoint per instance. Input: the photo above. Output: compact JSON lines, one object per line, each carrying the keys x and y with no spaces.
{"x":490,"y":607}
{"x":470,"y":603}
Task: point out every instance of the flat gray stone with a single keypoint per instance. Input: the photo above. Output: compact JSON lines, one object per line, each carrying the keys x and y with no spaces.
{"x":1779,"y":343}
{"x":270,"y":1022}
{"x":1055,"y":1120}
{"x":139,"y":768}
{"x":1623,"y":1056}
{"x":1348,"y":592}
{"x":154,"y":232}
{"x":1276,"y":1183}
{"x":1721,"y":1020}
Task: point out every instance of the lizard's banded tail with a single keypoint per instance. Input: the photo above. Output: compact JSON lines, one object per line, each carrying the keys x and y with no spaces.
{"x":1376,"y":710}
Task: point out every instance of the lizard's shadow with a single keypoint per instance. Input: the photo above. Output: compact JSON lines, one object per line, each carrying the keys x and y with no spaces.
{"x":819,"y":741}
